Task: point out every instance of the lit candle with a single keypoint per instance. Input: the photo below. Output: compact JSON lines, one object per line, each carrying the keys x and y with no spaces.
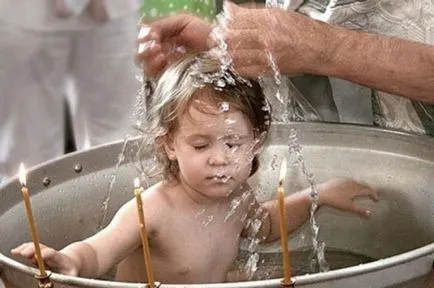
{"x":33,"y":230}
{"x":146,"y":252}
{"x":283,"y":225}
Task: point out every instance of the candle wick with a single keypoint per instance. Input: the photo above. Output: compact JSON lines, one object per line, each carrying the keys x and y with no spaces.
{"x":281,"y":183}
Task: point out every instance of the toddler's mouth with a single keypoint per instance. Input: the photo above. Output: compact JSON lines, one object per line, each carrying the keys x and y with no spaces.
{"x":221,"y":178}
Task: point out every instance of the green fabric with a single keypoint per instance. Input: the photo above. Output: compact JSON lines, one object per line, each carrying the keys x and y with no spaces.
{"x":159,"y":8}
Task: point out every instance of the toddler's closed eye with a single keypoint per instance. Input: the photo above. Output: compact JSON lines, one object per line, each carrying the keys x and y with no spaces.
{"x":200,"y":146}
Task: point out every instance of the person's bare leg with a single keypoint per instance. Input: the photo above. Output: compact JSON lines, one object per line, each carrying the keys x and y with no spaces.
{"x":32,"y":69}
{"x":106,"y":84}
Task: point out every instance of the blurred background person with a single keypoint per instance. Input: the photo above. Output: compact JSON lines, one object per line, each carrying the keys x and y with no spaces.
{"x":47,"y":47}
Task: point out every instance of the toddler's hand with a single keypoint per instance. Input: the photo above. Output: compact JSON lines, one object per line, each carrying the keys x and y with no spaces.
{"x":57,"y":261}
{"x":341,"y":192}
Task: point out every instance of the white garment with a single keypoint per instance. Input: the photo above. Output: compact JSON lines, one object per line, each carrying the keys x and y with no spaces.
{"x":34,"y":66}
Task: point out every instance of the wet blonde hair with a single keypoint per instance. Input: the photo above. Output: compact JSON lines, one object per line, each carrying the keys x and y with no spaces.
{"x":176,"y":91}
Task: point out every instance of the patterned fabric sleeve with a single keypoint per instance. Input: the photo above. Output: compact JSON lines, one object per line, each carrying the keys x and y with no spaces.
{"x":411,"y":20}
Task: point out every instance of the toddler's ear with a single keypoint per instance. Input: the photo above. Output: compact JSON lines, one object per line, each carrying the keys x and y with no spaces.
{"x":168,"y":147}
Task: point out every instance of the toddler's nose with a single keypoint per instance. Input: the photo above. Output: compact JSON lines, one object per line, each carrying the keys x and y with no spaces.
{"x":219,"y":157}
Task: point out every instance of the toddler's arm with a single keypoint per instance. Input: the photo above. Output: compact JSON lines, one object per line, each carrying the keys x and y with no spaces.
{"x":56,"y":260}
{"x":337,"y":192}
{"x":93,"y":256}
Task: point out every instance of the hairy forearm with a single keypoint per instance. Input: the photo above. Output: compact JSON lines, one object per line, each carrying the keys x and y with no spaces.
{"x":388,"y":64}
{"x":385,"y":63}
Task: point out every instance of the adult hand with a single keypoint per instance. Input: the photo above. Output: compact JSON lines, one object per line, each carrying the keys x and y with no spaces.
{"x":251,"y":34}
{"x":159,"y":41}
{"x":255,"y":34}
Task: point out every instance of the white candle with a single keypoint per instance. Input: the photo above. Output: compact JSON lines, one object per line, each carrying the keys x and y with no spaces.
{"x":33,"y":230}
{"x":283,"y":225}
{"x":146,"y":251}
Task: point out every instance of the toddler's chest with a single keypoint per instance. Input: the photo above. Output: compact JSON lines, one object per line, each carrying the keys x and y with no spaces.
{"x":198,"y":248}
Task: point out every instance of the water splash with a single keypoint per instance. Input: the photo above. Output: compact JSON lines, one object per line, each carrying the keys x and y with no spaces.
{"x":208,"y":220}
{"x":224,"y":107}
{"x":291,"y":104}
{"x":230,"y":121}
{"x":219,"y":78}
{"x":252,"y":265}
{"x":277,"y":94}
{"x":136,"y":153}
{"x":225,"y":75}
{"x":200,"y":212}
{"x":252,"y":241}
{"x":274,"y":163}
{"x":236,"y":202}
{"x":283,"y":4}
{"x":220,"y":83}
{"x":142,"y":102}
{"x":120,"y":160}
{"x":277,"y":75}
{"x":255,"y":226}
{"x":318,"y":247}
{"x":294,"y":107}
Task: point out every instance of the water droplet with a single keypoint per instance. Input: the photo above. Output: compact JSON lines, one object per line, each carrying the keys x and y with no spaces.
{"x":208,"y":220}
{"x":200,"y":212}
{"x":220,"y":83}
{"x":230,"y":121}
{"x":224,"y":107}
{"x":252,"y":265}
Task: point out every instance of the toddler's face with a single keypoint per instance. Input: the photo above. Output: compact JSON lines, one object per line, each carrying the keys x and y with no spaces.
{"x":214,"y":149}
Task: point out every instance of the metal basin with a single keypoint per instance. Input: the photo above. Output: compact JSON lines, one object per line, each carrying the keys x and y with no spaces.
{"x":397,"y":243}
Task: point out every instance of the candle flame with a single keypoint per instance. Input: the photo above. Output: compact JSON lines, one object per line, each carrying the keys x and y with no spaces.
{"x":22,"y":174}
{"x":282,"y":170}
{"x":136,"y":182}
